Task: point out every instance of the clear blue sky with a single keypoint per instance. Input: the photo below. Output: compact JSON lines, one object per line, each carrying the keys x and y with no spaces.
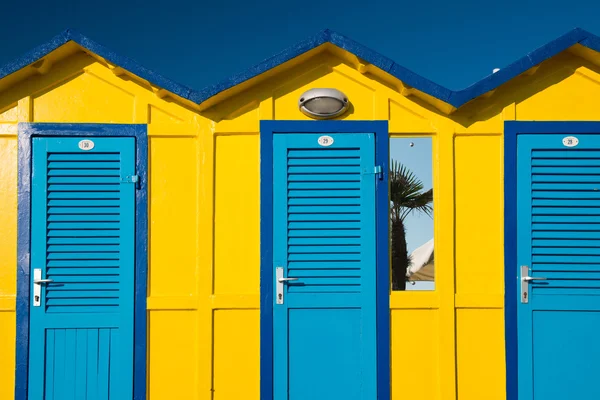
{"x":197,"y":43}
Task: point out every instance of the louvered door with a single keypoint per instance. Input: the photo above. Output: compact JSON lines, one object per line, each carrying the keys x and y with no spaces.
{"x":324,"y":237}
{"x":82,"y":246}
{"x":558,"y":244}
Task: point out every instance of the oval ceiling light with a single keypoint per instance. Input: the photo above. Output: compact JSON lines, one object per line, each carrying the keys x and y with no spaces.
{"x":323,"y":103}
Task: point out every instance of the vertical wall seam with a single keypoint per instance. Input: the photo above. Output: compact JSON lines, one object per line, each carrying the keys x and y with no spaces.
{"x":447,"y":277}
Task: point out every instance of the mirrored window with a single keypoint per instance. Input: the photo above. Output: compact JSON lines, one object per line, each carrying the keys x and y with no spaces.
{"x":411,"y":214}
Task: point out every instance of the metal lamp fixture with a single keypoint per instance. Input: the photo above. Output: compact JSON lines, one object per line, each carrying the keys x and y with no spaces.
{"x":323,"y":103}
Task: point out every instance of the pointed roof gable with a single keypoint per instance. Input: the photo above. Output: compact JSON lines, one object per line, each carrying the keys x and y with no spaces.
{"x":451,"y":97}
{"x":454,"y":98}
{"x":109,"y":55}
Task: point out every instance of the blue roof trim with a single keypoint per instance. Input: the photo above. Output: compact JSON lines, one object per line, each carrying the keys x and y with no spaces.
{"x":272,"y":62}
{"x":123,"y":62}
{"x":454,"y":98}
{"x":532,"y":59}
{"x":34,"y":55}
{"x":327,"y":36}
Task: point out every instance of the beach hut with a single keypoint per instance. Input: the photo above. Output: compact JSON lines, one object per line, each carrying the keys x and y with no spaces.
{"x":161,"y":242}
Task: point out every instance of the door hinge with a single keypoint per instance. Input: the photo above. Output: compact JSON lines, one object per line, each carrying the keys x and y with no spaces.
{"x":379,"y":172}
{"x":130,"y":179}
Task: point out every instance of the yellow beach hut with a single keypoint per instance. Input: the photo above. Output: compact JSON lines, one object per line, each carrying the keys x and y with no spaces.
{"x":159,"y":242}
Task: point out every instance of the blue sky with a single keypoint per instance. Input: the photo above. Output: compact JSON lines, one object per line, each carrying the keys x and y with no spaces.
{"x":198,"y":43}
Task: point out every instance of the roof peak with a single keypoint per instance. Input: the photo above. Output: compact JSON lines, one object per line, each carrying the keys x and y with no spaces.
{"x":456,"y":98}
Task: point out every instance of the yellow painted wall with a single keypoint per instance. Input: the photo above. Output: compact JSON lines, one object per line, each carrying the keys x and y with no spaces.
{"x":203,"y":289}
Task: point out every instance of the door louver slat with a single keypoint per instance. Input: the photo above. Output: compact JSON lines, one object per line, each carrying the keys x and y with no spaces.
{"x":565,"y":227}
{"x":324,"y":218}
{"x":83,"y":231}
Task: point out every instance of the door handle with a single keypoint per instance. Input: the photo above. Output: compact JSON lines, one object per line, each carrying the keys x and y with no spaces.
{"x":533,"y":278}
{"x":281,"y":280}
{"x":38,"y":281}
{"x":286,"y":279}
{"x":37,"y":286}
{"x":525,"y":279}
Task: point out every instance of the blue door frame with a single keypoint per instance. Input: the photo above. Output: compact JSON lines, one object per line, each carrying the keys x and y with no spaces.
{"x":267,"y":129}
{"x":26,"y":132}
{"x":512,"y":129}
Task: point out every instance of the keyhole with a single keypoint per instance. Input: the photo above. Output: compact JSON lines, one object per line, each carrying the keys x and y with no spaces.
{"x":280,"y":296}
{"x":525,"y":295}
{"x":37,"y":298}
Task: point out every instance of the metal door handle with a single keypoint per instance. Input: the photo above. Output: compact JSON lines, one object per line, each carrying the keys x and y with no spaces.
{"x":525,"y":279}
{"x":37,"y":286}
{"x":286,"y":279}
{"x":43,"y":280}
{"x":533,"y":278}
{"x":281,"y":280}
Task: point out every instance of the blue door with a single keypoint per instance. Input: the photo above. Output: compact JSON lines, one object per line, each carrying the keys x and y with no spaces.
{"x":324,"y":301}
{"x":558,"y":254}
{"x":82,"y":269}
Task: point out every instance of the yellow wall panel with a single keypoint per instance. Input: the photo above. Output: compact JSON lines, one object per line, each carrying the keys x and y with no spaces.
{"x":479,"y":214}
{"x":84,"y":97}
{"x":9,"y":115}
{"x":403,"y":118}
{"x":569,"y":92}
{"x":172,"y":355}
{"x":8,"y":129}
{"x":240,"y":118}
{"x":7,"y":354}
{"x":159,"y":115}
{"x":490,"y":120}
{"x":8,"y":217}
{"x":236,"y":355}
{"x":237,"y":215}
{"x":480,"y":353}
{"x":415,"y":354}
{"x":173,"y":216}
